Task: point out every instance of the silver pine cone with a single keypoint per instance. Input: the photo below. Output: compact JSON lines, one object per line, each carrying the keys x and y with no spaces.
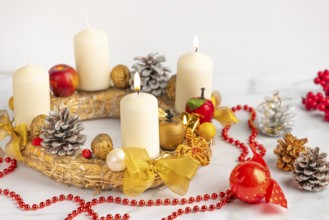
{"x":61,"y":134}
{"x":154,"y":76}
{"x":311,"y":170}
{"x":275,"y":116}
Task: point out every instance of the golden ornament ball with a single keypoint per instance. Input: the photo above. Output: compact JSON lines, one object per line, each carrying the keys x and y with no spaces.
{"x":120,"y":76}
{"x":37,"y":124}
{"x":11,"y":103}
{"x":207,"y":130}
{"x":172,"y":133}
{"x":101,"y":146}
{"x":171,"y":87}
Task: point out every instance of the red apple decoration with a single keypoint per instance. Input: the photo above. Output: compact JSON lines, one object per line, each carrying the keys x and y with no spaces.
{"x":202,"y":106}
{"x":64,"y":80}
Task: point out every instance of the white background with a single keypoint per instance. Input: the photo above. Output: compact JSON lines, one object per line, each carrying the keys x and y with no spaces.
{"x":258,"y":46}
{"x":254,"y":36}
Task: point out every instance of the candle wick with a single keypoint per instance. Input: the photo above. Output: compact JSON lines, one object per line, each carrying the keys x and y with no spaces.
{"x":87,"y":20}
{"x":196,"y":50}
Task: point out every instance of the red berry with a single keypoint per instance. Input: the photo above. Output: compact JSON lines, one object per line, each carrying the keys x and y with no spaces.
{"x":317,"y":80}
{"x":86,"y":153}
{"x":320,"y":74}
{"x":321,"y":107}
{"x":37,"y":141}
{"x":326,"y":72}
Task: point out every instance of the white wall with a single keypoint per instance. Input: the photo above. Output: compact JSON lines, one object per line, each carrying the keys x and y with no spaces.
{"x":242,"y":36}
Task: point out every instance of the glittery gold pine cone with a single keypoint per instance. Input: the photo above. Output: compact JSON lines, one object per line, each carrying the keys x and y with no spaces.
{"x":288,"y":150}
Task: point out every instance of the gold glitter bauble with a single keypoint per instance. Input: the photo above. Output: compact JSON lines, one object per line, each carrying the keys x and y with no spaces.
{"x":101,"y":146}
{"x":11,"y":103}
{"x":37,"y":124}
{"x":171,"y":133}
{"x":120,"y":76}
{"x":171,"y":87}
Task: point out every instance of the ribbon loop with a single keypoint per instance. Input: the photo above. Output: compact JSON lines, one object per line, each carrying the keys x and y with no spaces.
{"x":190,"y":120}
{"x":19,"y":135}
{"x":176,"y":172}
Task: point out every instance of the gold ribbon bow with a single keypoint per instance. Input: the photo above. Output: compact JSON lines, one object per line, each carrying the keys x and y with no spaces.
{"x":190,"y":120}
{"x":223,"y":115}
{"x":19,"y":135}
{"x":176,"y":172}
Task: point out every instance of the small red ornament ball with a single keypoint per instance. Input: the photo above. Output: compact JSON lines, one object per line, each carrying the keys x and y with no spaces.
{"x":86,"y":153}
{"x":249,"y":181}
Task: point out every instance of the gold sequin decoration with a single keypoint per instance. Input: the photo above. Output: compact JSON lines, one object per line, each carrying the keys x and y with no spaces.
{"x":195,"y":147}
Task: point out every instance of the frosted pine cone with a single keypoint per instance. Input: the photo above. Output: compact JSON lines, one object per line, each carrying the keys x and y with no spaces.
{"x":311,"y":170}
{"x":153,"y":75}
{"x":61,"y":134}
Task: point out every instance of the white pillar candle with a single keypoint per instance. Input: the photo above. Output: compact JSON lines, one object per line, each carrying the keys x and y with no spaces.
{"x":194,"y":71}
{"x":140,"y":121}
{"x":92,"y":59}
{"x":31,"y":94}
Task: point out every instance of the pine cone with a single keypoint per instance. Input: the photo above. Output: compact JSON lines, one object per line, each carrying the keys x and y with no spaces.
{"x":61,"y":134}
{"x":311,"y":170}
{"x":275,"y":116}
{"x":153,"y":75}
{"x":288,"y":150}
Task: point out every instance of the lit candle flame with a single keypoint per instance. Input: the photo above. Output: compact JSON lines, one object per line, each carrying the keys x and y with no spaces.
{"x":137,"y":82}
{"x":196,"y":43}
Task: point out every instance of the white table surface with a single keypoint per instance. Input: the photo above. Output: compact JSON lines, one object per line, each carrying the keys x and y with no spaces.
{"x":34,"y":187}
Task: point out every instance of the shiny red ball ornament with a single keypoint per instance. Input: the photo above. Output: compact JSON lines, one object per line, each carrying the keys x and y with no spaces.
{"x":86,"y":153}
{"x":249,"y":181}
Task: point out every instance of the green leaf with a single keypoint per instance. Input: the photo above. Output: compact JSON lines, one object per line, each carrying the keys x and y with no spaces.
{"x":194,"y":103}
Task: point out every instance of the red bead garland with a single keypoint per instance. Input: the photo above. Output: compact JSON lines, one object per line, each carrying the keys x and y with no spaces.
{"x":243,"y":147}
{"x":10,"y":168}
{"x":86,"y":207}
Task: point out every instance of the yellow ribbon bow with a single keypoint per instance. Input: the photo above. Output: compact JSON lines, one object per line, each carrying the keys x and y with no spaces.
{"x":223,"y":115}
{"x":190,"y":120}
{"x":19,"y":135}
{"x":176,"y":172}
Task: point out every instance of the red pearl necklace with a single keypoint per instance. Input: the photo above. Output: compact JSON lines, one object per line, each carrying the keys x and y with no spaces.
{"x":243,"y":147}
{"x":86,"y":207}
{"x":225,"y":197}
{"x":10,"y":168}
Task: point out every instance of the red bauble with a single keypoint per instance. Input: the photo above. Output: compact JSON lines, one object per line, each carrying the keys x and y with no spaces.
{"x":201,"y":106}
{"x":249,"y":181}
{"x":86,"y":153}
{"x":63,"y":80}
